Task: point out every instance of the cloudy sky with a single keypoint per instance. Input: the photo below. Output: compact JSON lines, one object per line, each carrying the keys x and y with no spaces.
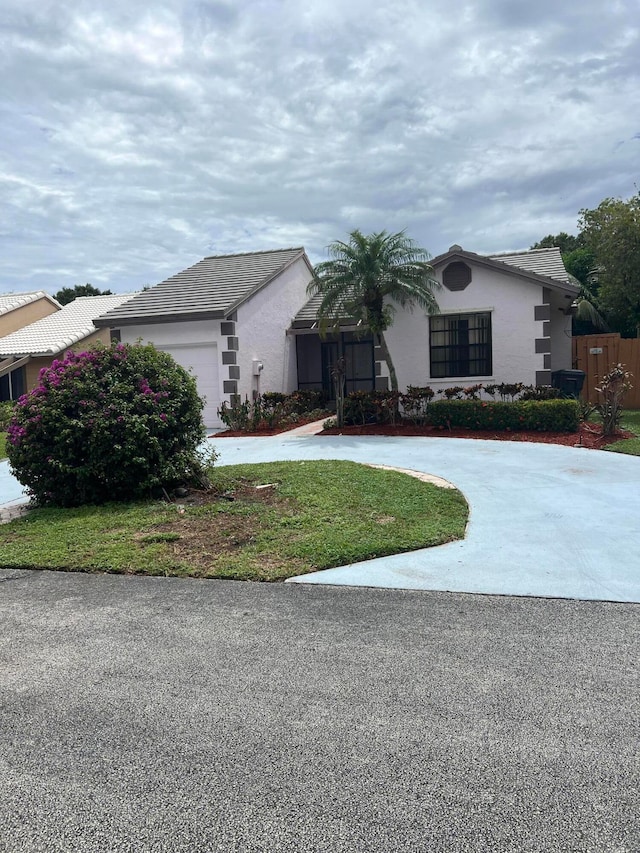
{"x":137,"y":138}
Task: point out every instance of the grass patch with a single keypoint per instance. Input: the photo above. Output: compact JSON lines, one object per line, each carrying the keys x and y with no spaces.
{"x":3,"y":445}
{"x":308,"y":516}
{"x":631,"y":446}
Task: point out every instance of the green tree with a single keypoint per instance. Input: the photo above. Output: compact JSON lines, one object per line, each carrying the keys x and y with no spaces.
{"x":563,"y":241}
{"x":579,"y":261}
{"x":366,"y":275}
{"x":68,"y":294}
{"x":611,"y":232}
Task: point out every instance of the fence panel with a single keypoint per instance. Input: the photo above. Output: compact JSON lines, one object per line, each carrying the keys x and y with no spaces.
{"x":597,"y":354}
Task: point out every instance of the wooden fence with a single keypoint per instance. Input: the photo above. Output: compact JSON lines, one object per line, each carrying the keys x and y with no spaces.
{"x":596,"y":354}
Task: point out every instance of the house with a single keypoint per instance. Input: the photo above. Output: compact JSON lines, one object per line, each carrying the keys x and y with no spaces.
{"x":24,"y":352}
{"x":503,"y":318}
{"x":226,"y":319}
{"x":20,"y":309}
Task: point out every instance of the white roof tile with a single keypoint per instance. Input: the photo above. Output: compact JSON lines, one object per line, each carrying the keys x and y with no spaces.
{"x":66,"y":327}
{"x":11,"y":301}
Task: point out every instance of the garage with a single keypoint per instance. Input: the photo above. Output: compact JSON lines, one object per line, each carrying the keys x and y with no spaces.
{"x":202,"y":361}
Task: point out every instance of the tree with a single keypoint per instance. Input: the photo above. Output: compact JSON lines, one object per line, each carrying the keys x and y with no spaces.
{"x":612,"y":232}
{"x":579,"y":261}
{"x":563,"y":241}
{"x":367,"y":273}
{"x":68,"y":294}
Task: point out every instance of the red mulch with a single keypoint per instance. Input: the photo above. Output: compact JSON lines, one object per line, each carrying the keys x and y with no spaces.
{"x":589,"y":435}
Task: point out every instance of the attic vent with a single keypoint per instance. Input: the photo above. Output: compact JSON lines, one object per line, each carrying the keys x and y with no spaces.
{"x":456,"y":276}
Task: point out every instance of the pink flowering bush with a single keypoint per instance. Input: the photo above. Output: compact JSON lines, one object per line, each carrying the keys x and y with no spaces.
{"x":110,"y":424}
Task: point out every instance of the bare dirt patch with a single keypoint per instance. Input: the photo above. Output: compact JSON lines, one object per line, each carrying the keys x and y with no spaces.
{"x":200,"y":539}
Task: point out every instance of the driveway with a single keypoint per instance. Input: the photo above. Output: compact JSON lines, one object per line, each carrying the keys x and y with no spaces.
{"x":545,"y":520}
{"x":161,"y":715}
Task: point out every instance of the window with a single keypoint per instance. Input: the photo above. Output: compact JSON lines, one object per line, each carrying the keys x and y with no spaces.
{"x":461,"y":345}
{"x":12,"y":385}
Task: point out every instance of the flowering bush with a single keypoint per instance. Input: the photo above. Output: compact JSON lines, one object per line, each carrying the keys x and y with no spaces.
{"x":112,"y":423}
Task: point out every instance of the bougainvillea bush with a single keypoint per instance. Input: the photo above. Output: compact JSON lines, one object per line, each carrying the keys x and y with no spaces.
{"x":110,"y":424}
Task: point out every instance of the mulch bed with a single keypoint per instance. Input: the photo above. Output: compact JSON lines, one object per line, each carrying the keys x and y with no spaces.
{"x":589,"y":435}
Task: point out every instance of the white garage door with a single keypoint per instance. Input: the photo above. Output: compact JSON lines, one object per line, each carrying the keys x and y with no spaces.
{"x":202,"y":361}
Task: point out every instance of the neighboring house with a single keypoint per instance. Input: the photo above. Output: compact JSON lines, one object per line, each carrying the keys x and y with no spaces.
{"x":20,"y":309}
{"x":503,"y":318}
{"x":23,"y":353}
{"x":225,"y":319}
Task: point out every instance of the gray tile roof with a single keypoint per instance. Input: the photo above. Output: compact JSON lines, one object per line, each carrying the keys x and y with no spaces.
{"x":214,"y":287}
{"x":62,"y":329}
{"x":547,"y":262}
{"x":11,"y":301}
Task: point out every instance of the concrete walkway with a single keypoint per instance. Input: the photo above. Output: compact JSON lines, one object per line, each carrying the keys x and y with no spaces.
{"x":545,"y":520}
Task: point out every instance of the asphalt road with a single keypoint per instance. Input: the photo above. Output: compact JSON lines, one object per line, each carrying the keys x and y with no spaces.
{"x":142,"y":714}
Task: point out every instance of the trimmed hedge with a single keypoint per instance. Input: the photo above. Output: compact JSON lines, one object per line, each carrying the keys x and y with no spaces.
{"x":526,"y":415}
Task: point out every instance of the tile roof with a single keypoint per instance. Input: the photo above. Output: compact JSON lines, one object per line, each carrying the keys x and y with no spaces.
{"x":11,"y":301}
{"x":60,"y":330}
{"x":547,"y":262}
{"x":541,"y":262}
{"x":214,"y":287}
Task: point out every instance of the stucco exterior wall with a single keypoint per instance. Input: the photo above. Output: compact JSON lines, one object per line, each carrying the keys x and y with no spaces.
{"x":560,"y":330}
{"x":34,"y":366}
{"x":177,"y":338}
{"x":262,"y":332}
{"x":24,"y":315}
{"x":510,"y":300}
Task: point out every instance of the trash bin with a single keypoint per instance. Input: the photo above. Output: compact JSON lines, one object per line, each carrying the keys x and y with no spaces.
{"x":569,"y":382}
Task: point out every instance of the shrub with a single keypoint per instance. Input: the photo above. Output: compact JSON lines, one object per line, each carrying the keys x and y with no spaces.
{"x":543,"y":415}
{"x":415,"y":403}
{"x":359,"y":408}
{"x":113,"y":423}
{"x":271,"y":410}
{"x":611,"y":391}
{"x":540,"y":392}
{"x":6,"y":411}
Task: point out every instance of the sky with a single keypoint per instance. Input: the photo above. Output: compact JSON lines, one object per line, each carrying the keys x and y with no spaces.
{"x":136,"y":139}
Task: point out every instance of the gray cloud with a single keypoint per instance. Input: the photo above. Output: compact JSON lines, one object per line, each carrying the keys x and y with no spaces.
{"x":136,"y":141}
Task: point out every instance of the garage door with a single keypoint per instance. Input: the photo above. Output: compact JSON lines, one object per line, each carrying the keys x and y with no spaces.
{"x":202,"y":361}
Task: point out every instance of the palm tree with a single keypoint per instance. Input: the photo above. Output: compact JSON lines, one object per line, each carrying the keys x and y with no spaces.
{"x":364,"y":275}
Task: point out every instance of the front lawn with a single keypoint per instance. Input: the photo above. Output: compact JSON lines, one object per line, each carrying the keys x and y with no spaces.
{"x":308,"y":516}
{"x":3,"y":445}
{"x":631,"y":446}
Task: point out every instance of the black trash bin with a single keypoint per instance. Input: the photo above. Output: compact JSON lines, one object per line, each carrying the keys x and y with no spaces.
{"x":569,"y":382}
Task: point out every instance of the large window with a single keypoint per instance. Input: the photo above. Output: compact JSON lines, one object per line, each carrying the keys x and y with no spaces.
{"x":460,"y":345}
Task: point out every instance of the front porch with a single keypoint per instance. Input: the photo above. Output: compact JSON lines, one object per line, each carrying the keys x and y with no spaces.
{"x":317,"y":357}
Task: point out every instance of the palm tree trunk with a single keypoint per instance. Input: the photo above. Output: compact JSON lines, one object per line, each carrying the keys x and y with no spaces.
{"x":387,"y":357}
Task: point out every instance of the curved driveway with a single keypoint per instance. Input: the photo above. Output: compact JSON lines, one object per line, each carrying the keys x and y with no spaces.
{"x":545,"y":520}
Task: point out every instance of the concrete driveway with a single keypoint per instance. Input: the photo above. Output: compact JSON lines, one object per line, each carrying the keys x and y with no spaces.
{"x":160,"y":715}
{"x":545,"y":520}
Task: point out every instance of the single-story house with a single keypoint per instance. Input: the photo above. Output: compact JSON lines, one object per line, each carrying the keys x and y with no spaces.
{"x":24,"y":352}
{"x":503,"y":318}
{"x":226,"y":319}
{"x":20,"y":309}
{"x":244,"y":325}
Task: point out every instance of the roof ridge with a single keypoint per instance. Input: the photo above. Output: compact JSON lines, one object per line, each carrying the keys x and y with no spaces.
{"x":526,"y":251}
{"x":263,"y":252}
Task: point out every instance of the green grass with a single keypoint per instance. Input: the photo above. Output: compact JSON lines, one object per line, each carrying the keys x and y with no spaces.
{"x":3,"y":445}
{"x":321,"y":514}
{"x":630,"y":446}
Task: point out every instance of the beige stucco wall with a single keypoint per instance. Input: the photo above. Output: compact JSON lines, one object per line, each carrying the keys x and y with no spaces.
{"x":25,"y":314}
{"x":34,"y":366}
